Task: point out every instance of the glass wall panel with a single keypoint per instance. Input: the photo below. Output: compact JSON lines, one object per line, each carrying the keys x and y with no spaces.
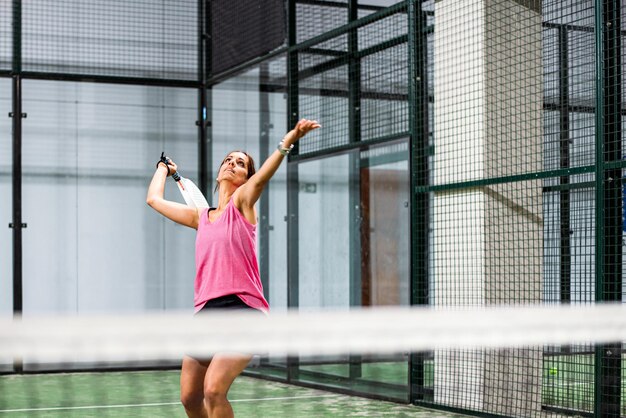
{"x":247,"y":110}
{"x":324,"y":222}
{"x":385,"y":232}
{"x":92,"y":243}
{"x":6,"y":211}
{"x":354,"y":235}
{"x":276,"y":191}
{"x":324,"y":245}
{"x":235,"y":119}
{"x":6,"y":202}
{"x":385,"y":257}
{"x":249,"y":114}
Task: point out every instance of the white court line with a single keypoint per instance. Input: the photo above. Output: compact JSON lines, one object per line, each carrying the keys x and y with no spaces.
{"x":286,"y":398}
{"x":158,"y":404}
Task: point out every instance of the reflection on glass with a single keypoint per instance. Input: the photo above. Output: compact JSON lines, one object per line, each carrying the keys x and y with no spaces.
{"x":6,"y":203}
{"x":385,"y":234}
{"x":92,"y":244}
{"x":354,"y":230}
{"x":249,"y":114}
{"x":323,"y":230}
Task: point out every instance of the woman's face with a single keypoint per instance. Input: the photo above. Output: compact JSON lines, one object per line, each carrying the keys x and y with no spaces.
{"x":234,"y":168}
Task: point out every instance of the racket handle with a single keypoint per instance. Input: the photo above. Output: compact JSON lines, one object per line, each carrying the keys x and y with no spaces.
{"x":166,"y":161}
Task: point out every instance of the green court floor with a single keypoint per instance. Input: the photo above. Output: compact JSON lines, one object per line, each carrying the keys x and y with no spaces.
{"x":154,"y":394}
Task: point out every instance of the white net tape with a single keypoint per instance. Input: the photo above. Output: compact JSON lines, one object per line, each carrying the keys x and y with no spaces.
{"x":365,"y":330}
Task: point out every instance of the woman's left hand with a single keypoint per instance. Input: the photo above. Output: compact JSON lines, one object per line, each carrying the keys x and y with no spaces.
{"x":303,"y":127}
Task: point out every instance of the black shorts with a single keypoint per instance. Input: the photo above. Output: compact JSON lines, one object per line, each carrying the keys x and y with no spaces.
{"x":228,"y":302}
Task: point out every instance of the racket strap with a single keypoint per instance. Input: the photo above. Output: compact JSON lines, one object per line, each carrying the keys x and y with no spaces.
{"x":163,"y":160}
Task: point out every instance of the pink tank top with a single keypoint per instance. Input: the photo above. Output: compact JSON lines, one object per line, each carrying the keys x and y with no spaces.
{"x":226,"y":260}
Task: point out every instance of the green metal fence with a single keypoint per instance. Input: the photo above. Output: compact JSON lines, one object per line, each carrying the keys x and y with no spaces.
{"x":503,"y":119}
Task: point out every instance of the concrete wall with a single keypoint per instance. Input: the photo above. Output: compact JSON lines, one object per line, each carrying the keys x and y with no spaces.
{"x":488,"y":239}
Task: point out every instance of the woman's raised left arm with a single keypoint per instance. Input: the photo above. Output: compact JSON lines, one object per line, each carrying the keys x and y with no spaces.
{"x":247,"y":195}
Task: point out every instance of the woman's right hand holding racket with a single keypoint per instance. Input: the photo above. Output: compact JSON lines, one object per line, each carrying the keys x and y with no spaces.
{"x":167,"y":163}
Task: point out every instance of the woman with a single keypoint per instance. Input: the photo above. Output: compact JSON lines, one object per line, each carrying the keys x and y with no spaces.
{"x":227,"y":272}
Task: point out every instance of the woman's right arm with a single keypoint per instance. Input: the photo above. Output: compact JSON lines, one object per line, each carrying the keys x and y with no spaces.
{"x":177,"y":212}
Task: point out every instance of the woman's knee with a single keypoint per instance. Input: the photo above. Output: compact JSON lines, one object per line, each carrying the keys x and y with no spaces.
{"x":192,"y":383}
{"x":191,"y":399}
{"x":215,"y":394}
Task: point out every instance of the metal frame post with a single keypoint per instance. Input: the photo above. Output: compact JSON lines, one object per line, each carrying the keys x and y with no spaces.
{"x":204,"y":68}
{"x":264,"y":201}
{"x":418,"y":148}
{"x":354,"y":188}
{"x":608,"y":182}
{"x":293,"y":249}
{"x":565,"y":262}
{"x":17,"y":116}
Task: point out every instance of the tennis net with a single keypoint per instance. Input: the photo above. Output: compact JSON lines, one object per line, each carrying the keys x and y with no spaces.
{"x":520,"y":361}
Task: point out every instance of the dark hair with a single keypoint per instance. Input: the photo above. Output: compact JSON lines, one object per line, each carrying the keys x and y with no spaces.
{"x":251,"y":169}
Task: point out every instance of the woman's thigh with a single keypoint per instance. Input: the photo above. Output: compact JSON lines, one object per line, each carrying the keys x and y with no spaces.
{"x":192,"y":376}
{"x":223,"y":370}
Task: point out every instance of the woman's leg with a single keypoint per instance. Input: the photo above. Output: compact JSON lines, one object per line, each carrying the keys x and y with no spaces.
{"x":192,"y":377}
{"x":222,"y":371}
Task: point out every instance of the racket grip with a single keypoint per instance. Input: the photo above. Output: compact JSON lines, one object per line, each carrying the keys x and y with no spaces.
{"x":176,"y":176}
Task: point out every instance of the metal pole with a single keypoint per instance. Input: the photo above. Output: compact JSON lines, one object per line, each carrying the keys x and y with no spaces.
{"x":355,"y":225}
{"x":293,"y":249}
{"x":17,"y":224}
{"x":608,"y":216}
{"x":564,"y":202}
{"x":204,"y":67}
{"x":17,"y":116}
{"x":264,"y":201}
{"x":418,"y":127}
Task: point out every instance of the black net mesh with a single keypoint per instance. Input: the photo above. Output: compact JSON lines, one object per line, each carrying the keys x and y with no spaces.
{"x":243,"y":30}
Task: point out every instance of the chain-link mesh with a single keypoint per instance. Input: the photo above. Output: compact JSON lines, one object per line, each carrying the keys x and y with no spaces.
{"x":514,"y":86}
{"x":315,"y":18}
{"x":138,"y":39}
{"x":370,"y":80}
{"x":6,"y":35}
{"x":384,"y":77}
{"x":325,"y":96}
{"x":569,"y":243}
{"x":515,"y":113}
